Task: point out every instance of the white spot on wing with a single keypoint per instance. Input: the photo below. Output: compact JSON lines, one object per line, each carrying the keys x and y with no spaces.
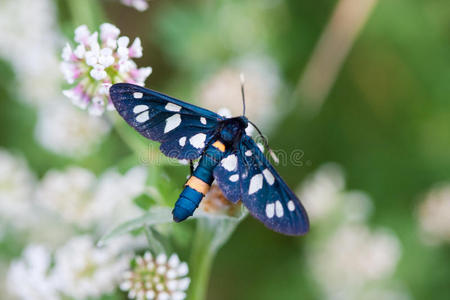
{"x":279,"y":209}
{"x":137,"y":95}
{"x":139,"y":108}
{"x":229,"y":163}
{"x":182,"y":141}
{"x":198,"y":140}
{"x":270,"y":210}
{"x":248,"y":153}
{"x":172,"y":122}
{"x":269,"y":176}
{"x":172,"y":107}
{"x":291,"y":205}
{"x":234,"y":178}
{"x":203,"y":120}
{"x":141,"y":118}
{"x":256,"y":184}
{"x":249,"y":130}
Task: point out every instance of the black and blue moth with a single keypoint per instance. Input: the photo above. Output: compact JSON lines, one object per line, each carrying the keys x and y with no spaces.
{"x":227,"y":154}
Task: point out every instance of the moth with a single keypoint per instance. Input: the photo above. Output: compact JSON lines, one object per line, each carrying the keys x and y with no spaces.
{"x":225,"y":152}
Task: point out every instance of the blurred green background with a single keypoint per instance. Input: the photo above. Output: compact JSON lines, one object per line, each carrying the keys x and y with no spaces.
{"x":385,"y":118}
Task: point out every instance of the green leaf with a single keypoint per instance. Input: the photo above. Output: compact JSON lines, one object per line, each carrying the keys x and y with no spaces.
{"x":156,"y":215}
{"x":144,"y":201}
{"x":156,"y":242}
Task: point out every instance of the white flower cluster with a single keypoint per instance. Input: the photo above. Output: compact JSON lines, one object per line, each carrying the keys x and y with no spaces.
{"x":94,"y":65}
{"x":349,"y":261}
{"x":68,"y":131}
{"x":16,"y":189}
{"x":83,"y":270}
{"x":323,"y":193}
{"x":79,"y":198}
{"x":140,"y":5}
{"x":157,"y":278}
{"x":29,"y":41}
{"x":320,"y":192}
{"x":80,"y":270}
{"x":434,"y":215}
{"x":353,"y":257}
{"x":28,"y":277}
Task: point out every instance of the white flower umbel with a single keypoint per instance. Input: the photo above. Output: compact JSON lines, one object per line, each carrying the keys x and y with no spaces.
{"x":16,"y":189}
{"x":434,"y":215}
{"x":69,"y":193}
{"x":320,"y":192}
{"x":28,"y":277}
{"x":323,"y":194}
{"x":115,"y":193}
{"x":159,"y":277}
{"x":80,"y":198}
{"x":84,"y":271}
{"x":140,"y":5}
{"x":97,"y":62}
{"x":29,"y":42}
{"x":262,"y":82}
{"x":67,"y":131}
{"x":353,"y":258}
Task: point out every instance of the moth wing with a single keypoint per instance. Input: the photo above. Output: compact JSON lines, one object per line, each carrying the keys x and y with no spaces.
{"x":261,"y":189}
{"x":228,"y":174}
{"x":183,"y":129}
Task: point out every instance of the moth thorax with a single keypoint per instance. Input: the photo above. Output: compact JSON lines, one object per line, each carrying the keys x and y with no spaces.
{"x":230,"y":131}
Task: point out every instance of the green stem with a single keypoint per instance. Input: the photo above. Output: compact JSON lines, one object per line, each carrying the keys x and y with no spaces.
{"x":202,"y":257}
{"x":210,"y":235}
{"x":129,"y":137}
{"x":87,"y":12}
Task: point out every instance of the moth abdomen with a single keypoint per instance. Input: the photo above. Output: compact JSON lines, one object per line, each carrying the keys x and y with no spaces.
{"x":199,"y":183}
{"x":186,"y":204}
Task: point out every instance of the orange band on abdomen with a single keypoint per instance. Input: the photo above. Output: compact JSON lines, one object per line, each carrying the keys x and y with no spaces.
{"x":219,"y":146}
{"x":198,"y":185}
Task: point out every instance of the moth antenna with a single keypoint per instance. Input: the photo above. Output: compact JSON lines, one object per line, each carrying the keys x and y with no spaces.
{"x":242,"y":91}
{"x":274,"y":156}
{"x":266,"y":144}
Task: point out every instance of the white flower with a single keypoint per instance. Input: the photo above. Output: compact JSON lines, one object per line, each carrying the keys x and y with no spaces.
{"x":352,"y":258}
{"x":16,"y":189}
{"x":323,"y":193}
{"x":83,"y":270}
{"x":115,"y":193}
{"x":29,"y":42}
{"x":3,"y":273}
{"x":28,"y":277}
{"x":69,"y":193}
{"x":386,"y":294}
{"x":140,"y":5}
{"x":67,"y":131}
{"x":434,"y":214}
{"x":97,"y":62}
{"x":262,"y":82}
{"x":319,"y":193}
{"x":82,"y":199}
{"x":159,"y":277}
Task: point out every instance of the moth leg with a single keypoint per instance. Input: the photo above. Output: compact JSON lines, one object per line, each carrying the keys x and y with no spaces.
{"x":191,"y":167}
{"x":191,"y":171}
